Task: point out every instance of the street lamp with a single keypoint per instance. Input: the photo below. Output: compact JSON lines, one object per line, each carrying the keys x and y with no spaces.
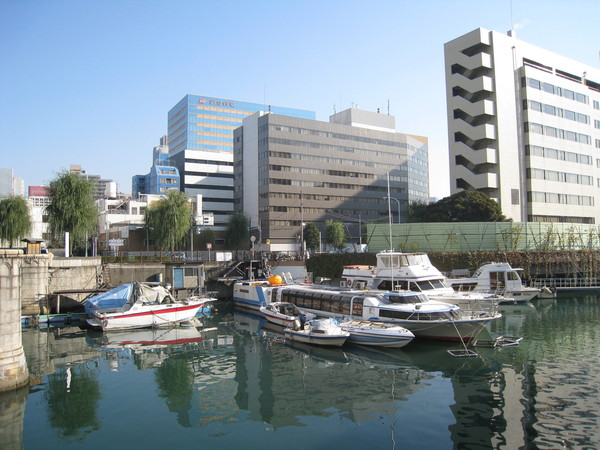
{"x":397,"y":201}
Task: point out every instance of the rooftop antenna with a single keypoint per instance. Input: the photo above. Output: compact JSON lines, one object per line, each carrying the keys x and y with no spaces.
{"x":388,"y":106}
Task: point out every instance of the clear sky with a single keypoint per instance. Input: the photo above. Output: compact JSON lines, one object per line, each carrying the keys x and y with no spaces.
{"x":91,"y":82}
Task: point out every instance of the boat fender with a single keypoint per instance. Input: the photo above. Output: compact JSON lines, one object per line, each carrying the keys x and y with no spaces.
{"x":296,"y":324}
{"x":349,"y":283}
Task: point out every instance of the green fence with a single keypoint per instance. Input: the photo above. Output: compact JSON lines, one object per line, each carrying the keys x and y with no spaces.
{"x":482,"y":236}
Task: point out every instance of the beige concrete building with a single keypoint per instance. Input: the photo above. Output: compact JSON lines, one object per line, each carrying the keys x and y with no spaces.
{"x":523,"y":127}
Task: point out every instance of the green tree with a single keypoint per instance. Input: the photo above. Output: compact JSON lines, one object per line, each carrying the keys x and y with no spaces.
{"x":311,"y":236}
{"x":238,"y":231}
{"x":416,"y":211}
{"x":334,"y":234}
{"x":169,"y":220}
{"x":465,"y":206}
{"x":15,"y":221}
{"x":72,"y":208}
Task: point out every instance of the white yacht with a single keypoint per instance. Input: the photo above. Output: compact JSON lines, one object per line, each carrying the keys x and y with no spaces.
{"x":498,"y":278}
{"x":414,"y":272}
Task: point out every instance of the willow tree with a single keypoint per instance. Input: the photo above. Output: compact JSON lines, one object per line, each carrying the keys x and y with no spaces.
{"x":15,"y":221}
{"x":238,"y":231}
{"x":72,"y":208}
{"x":169,"y":220}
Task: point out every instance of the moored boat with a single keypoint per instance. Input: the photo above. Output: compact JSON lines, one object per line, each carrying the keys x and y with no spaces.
{"x":140,"y":305}
{"x":424,"y":317}
{"x":318,"y":332}
{"x":378,"y":334}
{"x":497,"y":278}
{"x":284,"y":313}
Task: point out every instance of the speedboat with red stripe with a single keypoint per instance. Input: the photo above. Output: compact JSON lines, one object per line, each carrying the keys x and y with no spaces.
{"x":140,"y":305}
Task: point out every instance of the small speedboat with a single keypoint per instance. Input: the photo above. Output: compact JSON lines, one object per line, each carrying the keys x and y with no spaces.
{"x":318,"y":332}
{"x":379,"y":334}
{"x":140,"y":305}
{"x":284,"y":313}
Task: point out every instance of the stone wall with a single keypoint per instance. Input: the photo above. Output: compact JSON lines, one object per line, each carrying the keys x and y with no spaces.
{"x":13,"y":366}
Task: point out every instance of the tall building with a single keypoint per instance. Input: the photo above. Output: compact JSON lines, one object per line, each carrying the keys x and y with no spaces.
{"x":11,"y":185}
{"x":103,"y":188}
{"x":290,"y":171}
{"x":163,"y":175}
{"x":200,"y":134}
{"x":523,"y":127}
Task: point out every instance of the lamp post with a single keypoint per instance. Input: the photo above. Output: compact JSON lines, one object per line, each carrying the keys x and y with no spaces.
{"x":397,"y":201}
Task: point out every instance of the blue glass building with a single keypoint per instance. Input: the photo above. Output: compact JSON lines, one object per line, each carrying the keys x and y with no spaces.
{"x":163,"y":176}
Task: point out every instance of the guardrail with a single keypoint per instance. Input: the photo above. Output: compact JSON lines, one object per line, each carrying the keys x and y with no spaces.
{"x":567,"y":283}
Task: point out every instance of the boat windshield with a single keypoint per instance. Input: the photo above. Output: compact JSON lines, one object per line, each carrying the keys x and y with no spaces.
{"x":405,"y":299}
{"x":426,"y":285}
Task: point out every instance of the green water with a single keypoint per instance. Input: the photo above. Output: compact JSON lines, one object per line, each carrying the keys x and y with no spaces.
{"x":238,"y":384}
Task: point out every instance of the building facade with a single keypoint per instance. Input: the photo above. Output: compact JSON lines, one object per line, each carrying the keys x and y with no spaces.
{"x":291,"y":171}
{"x":523,"y":127}
{"x":200,"y":135}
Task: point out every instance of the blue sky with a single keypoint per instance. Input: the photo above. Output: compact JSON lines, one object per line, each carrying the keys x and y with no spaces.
{"x":91,"y":82}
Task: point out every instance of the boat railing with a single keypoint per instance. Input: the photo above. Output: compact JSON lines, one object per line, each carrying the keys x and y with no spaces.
{"x":566,"y":283}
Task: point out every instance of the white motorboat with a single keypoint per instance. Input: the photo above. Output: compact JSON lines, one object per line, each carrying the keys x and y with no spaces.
{"x":497,"y":278}
{"x":424,"y":317}
{"x":413,"y":272}
{"x":284,"y":313}
{"x":378,"y":334}
{"x":318,"y":332}
{"x":140,"y":305}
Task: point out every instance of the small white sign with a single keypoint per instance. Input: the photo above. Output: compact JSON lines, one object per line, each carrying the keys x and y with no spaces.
{"x":116,"y":242}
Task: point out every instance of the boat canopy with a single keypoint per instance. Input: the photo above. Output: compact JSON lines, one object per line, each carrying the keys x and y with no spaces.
{"x":113,"y":299}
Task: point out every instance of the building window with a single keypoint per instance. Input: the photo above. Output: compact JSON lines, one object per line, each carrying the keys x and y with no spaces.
{"x":514,"y":195}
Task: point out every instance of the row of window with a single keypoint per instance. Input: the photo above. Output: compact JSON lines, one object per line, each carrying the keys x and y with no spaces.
{"x":563,"y":199}
{"x":332,"y":148}
{"x":556,"y":90}
{"x":561,"y":155}
{"x":345,"y":137}
{"x":546,"y":130}
{"x":323,"y":160}
{"x":562,"y":177}
{"x":558,"y":112}
{"x":321,"y":197}
{"x":322,"y":172}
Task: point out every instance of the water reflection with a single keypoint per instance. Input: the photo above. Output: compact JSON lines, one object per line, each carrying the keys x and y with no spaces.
{"x":238,"y":369}
{"x":72,"y":396}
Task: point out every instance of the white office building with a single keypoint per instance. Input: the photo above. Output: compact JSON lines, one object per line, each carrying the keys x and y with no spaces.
{"x":524,"y":127}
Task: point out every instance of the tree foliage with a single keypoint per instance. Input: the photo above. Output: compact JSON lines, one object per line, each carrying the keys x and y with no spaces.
{"x":169,"y":220}
{"x":416,"y":211}
{"x":311,"y":236}
{"x":238,"y":231}
{"x":464,"y":206}
{"x":334,"y":234}
{"x":207,"y":236}
{"x":72,"y":208}
{"x":15,"y":221}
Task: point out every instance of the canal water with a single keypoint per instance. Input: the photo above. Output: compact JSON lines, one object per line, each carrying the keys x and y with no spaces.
{"x":236,"y":383}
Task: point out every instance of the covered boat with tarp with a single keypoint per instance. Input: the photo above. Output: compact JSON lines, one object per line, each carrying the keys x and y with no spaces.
{"x":140,"y":305}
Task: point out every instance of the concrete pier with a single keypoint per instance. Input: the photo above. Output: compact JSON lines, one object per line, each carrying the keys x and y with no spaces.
{"x":13,"y":366}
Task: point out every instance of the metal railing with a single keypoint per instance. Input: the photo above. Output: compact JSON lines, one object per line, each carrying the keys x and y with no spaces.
{"x":566,"y":283}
